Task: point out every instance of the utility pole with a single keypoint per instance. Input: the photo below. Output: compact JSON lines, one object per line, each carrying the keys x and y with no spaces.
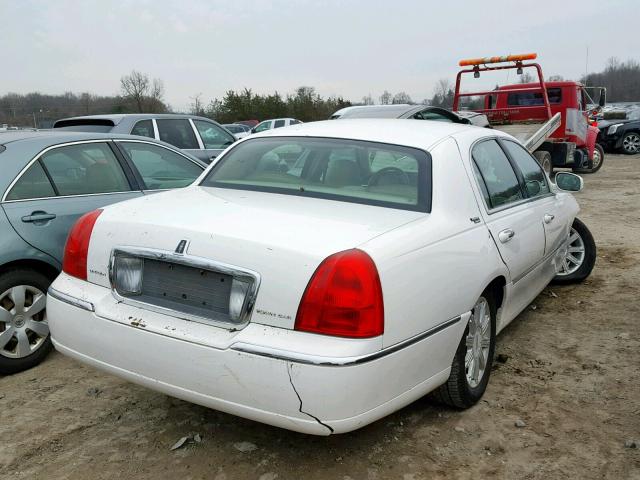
{"x":35,"y":125}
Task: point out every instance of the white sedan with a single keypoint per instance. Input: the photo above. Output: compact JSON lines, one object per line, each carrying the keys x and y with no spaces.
{"x":321,"y":277}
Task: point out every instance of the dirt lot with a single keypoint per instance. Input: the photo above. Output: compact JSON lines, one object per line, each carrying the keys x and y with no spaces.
{"x":572,"y":375}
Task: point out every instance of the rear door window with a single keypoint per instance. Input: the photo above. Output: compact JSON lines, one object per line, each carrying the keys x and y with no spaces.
{"x":177,"y":132}
{"x":144,"y":128}
{"x":32,"y":184}
{"x":495,"y":175}
{"x":278,"y":124}
{"x":86,"y":168}
{"x":159,"y":167}
{"x":213,"y":136}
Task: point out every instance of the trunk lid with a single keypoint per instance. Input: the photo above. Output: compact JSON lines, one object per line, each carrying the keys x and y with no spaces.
{"x":282,"y":237}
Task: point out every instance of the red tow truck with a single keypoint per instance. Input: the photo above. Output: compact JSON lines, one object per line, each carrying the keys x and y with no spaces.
{"x":551,"y":119}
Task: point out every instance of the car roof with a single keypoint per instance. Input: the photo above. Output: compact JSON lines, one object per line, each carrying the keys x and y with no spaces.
{"x":117,"y":118}
{"x":379,"y":111}
{"x":419,"y":134}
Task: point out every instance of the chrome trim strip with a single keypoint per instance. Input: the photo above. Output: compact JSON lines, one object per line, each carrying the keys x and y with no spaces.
{"x":54,"y":197}
{"x":249,"y":276}
{"x":76,"y":302}
{"x":339,"y":361}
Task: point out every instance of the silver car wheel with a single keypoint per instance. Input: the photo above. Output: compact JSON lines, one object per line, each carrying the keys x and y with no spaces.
{"x":478,"y":342}
{"x":631,"y":143}
{"x":23,"y":321}
{"x":575,"y":254}
{"x":596,"y":159}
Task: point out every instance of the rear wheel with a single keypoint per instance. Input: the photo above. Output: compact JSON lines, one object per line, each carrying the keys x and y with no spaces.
{"x":471,"y":365}
{"x":544,"y":159}
{"x":24,"y":331}
{"x":631,"y":143}
{"x":581,"y":255}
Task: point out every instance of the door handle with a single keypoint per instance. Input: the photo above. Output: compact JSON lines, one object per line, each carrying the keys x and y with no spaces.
{"x":548,"y":218}
{"x":37,"y":217}
{"x":506,"y":235}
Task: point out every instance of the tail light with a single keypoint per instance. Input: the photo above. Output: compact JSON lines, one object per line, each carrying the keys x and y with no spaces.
{"x":343,"y":298}
{"x":77,"y":246}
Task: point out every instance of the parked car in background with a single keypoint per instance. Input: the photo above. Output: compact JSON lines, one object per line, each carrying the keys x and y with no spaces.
{"x":47,"y":181}
{"x":248,"y":123}
{"x":238,"y":130}
{"x":322,"y":293}
{"x":416,"y":112}
{"x":274,"y":123}
{"x":199,"y":136}
{"x":621,"y":135}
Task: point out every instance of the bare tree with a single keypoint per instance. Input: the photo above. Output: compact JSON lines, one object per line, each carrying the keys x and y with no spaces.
{"x":197,"y":107}
{"x":555,"y":78}
{"x":526,"y":77}
{"x":401,"y":97}
{"x":443,"y":86}
{"x":386,"y":98}
{"x":145,"y":94}
{"x":367,"y":100}
{"x":134,"y":87}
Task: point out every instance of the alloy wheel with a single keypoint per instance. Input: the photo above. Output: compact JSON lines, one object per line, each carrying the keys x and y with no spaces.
{"x":575,"y":254}
{"x":631,"y":143}
{"x":478,"y":343}
{"x":597,"y":158}
{"x":23,"y":321}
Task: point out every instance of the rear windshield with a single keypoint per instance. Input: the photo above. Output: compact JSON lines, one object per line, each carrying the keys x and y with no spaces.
{"x":344,"y":170}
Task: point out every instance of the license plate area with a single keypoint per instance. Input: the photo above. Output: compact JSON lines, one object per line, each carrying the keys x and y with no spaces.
{"x":183,"y":286}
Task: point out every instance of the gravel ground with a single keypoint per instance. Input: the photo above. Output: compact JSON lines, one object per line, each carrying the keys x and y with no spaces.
{"x":562,"y":402}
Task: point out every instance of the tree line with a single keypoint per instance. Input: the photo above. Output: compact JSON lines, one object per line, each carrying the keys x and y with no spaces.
{"x":621,"y":79}
{"x":305,"y":104}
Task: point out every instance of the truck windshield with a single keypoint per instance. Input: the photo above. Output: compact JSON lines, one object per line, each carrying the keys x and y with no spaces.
{"x":531,"y":99}
{"x":335,"y":169}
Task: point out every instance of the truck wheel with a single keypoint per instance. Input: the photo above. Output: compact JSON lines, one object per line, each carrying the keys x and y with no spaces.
{"x":631,"y":143}
{"x":24,"y":331}
{"x":544,"y":159}
{"x":472,"y":363}
{"x":598,"y":160}
{"x":581,"y":255}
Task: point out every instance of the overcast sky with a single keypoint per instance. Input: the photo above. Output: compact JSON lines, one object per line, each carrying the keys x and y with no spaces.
{"x":347,"y":48}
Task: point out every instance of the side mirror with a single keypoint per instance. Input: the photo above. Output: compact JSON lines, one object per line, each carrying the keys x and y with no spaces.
{"x":569,"y":182}
{"x":533,"y":187}
{"x":253,"y":130}
{"x":602,"y":101}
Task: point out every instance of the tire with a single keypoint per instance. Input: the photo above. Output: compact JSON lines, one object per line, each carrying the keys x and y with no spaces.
{"x":458,"y":391}
{"x":15,"y":354}
{"x":544,"y":159}
{"x":631,"y":143}
{"x":598,"y":161}
{"x":586,"y":261}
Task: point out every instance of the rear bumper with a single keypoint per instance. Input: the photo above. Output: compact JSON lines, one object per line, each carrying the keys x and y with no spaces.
{"x":273,"y":386}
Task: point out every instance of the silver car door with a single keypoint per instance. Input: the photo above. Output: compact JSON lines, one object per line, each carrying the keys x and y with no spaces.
{"x":59,"y":186}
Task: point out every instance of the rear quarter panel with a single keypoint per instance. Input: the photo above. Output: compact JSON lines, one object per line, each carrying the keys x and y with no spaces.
{"x":435,"y":268}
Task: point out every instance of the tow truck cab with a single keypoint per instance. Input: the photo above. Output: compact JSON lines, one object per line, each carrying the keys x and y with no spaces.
{"x":565,"y":97}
